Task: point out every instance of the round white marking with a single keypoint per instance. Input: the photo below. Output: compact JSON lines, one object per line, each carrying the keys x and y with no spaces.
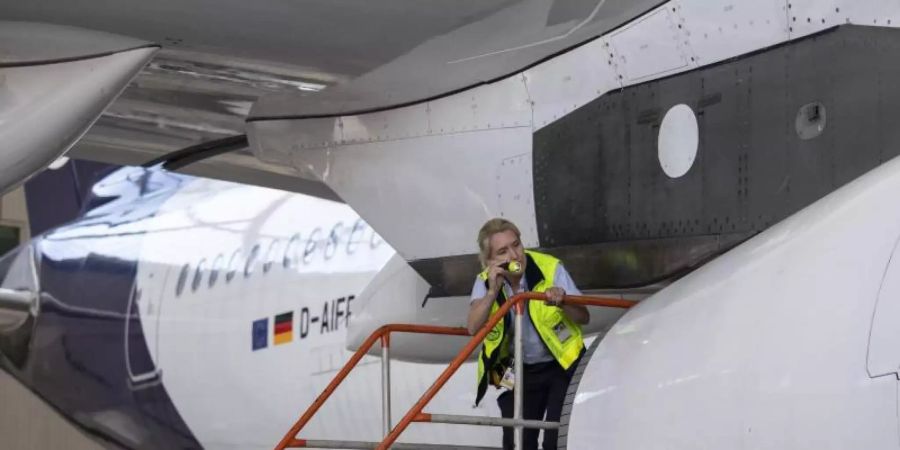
{"x":679,"y":136}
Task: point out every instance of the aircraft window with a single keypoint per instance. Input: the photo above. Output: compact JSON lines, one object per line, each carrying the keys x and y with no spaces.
{"x":251,"y":261}
{"x":216,"y":267}
{"x":233,"y":265}
{"x":353,"y":240}
{"x":290,"y":252}
{"x":182,"y":279}
{"x":334,"y":239}
{"x":198,"y":275}
{"x":270,"y":255}
{"x":311,"y":245}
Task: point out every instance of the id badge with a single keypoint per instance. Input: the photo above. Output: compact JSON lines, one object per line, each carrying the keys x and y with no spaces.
{"x":562,"y":332}
{"x":509,"y":379}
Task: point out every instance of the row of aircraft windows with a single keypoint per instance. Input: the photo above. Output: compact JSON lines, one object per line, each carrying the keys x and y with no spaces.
{"x":292,"y":255}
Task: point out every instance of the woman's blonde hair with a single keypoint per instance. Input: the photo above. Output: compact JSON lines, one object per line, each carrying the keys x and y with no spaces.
{"x":490,"y":228}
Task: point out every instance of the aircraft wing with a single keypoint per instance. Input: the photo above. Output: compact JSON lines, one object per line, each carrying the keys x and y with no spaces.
{"x":219,"y":57}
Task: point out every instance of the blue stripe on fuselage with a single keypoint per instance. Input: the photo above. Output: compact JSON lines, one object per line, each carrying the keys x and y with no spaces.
{"x":77,"y":360}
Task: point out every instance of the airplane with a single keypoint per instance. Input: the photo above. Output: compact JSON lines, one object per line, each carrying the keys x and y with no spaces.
{"x":788,"y":340}
{"x":182,"y":312}
{"x":639,"y":140}
{"x":675,"y":130}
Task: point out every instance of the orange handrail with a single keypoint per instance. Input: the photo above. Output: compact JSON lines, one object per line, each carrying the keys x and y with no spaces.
{"x":383,"y":334}
{"x":290,"y":439}
{"x":473,"y":343}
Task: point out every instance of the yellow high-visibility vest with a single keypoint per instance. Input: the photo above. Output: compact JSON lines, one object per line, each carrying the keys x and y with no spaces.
{"x":539,"y":273}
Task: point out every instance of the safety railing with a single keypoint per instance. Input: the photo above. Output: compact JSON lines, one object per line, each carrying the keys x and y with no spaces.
{"x":383,"y":335}
{"x":415,"y":414}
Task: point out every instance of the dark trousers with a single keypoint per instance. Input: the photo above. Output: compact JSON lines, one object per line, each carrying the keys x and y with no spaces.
{"x":545,"y":392}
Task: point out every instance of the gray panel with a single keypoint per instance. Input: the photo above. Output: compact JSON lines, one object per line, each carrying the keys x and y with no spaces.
{"x":752,"y":167}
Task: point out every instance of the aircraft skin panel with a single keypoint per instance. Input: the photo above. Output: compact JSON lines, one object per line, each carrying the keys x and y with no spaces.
{"x":709,"y":34}
{"x":632,"y":44}
{"x":555,"y":90}
{"x":808,"y":16}
{"x":764,"y":347}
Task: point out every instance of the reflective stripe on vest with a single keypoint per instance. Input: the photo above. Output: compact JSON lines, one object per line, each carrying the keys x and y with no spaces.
{"x":540,"y":270}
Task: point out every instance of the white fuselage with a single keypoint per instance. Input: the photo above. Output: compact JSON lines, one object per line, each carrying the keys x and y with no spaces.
{"x":313,"y":258}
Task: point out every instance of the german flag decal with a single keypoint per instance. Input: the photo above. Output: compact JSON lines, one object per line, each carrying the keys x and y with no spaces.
{"x":284,"y":328}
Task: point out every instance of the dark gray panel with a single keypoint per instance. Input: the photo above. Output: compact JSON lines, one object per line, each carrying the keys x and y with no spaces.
{"x":752,"y":167}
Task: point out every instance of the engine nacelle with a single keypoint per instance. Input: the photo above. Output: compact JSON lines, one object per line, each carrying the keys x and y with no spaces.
{"x":766,"y":347}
